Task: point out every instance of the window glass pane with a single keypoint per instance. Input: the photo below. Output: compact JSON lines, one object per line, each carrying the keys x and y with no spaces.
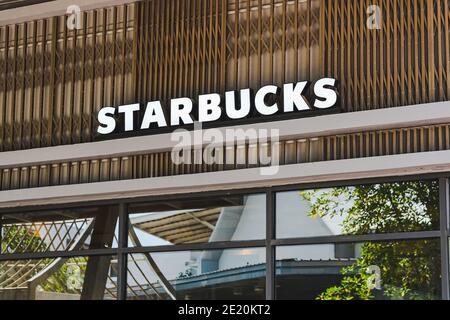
{"x":363,"y":209}
{"x":406,"y":270}
{"x":218,"y":274}
{"x":89,"y":278}
{"x":59,"y":230}
{"x":224,"y":218}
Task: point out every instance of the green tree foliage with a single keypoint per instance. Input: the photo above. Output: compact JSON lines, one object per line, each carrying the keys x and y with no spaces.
{"x":409,"y":269}
{"x":69,"y":278}
{"x":19,"y":238}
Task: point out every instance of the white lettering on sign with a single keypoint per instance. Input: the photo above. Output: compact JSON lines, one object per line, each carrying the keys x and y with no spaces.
{"x":267,"y":101}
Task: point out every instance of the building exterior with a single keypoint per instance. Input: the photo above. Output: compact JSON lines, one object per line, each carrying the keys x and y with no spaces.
{"x":353,"y":203}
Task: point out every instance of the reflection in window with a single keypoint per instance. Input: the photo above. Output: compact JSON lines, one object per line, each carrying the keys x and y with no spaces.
{"x":406,"y":270}
{"x":225,"y":218}
{"x":87,"y":278}
{"x":364,"y":209}
{"x":218,"y":274}
{"x":59,"y":230}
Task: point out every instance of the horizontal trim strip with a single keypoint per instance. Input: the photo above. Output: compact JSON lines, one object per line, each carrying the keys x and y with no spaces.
{"x":58,"y":254}
{"x":326,"y":171}
{"x":400,"y":236}
{"x":417,"y":115}
{"x":403,"y":236}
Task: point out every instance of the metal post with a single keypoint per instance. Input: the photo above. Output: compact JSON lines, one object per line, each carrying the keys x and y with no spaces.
{"x":444,"y":206}
{"x":122,"y":257}
{"x":270,"y":249}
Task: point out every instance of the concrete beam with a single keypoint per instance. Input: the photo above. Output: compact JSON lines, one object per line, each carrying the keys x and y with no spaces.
{"x":327,"y":171}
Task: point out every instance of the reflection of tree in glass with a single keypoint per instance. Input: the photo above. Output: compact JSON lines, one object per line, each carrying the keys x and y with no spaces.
{"x":409,"y":270}
{"x":22,"y":238}
{"x":69,"y":278}
{"x":19,"y":238}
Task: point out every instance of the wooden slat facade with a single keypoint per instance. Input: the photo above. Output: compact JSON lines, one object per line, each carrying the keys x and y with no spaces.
{"x":54,"y":80}
{"x":405,"y":62}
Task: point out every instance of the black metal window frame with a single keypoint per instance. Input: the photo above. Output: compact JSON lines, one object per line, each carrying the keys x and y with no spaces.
{"x":270,"y":243}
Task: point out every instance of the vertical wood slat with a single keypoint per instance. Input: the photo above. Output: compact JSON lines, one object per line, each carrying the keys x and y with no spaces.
{"x":3,"y":82}
{"x":19,"y":86}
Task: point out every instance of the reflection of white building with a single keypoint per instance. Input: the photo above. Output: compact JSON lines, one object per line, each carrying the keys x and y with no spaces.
{"x":247,"y":222}
{"x":233,"y":223}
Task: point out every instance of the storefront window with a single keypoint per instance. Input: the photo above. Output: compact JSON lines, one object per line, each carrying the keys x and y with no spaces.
{"x":405,"y":270}
{"x":173,"y":249}
{"x":59,"y":230}
{"x":200,"y":275}
{"x":87,"y":278}
{"x":355,"y":210}
{"x":189,"y":221}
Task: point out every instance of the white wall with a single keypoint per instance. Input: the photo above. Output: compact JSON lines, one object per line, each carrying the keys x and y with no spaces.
{"x":295,"y":222}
